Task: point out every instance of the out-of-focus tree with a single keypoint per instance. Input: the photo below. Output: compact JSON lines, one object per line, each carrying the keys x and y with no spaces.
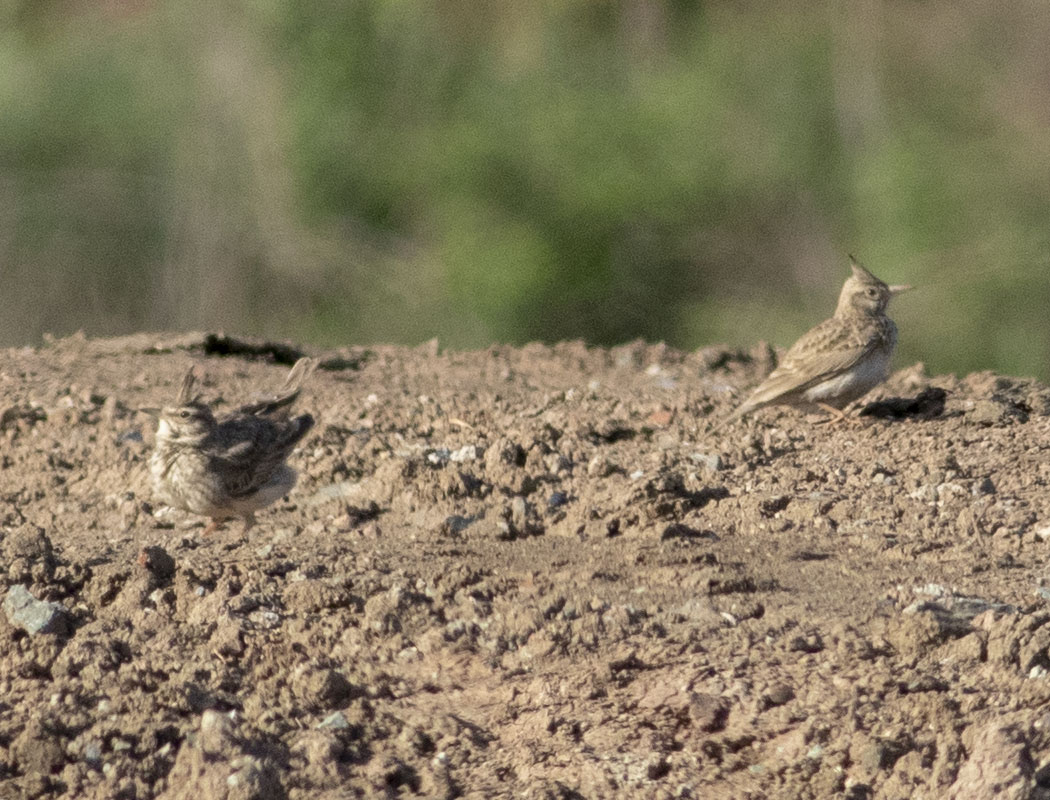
{"x":483,"y":171}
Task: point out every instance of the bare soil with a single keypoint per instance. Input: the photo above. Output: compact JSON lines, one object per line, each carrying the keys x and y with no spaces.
{"x":541,"y":572}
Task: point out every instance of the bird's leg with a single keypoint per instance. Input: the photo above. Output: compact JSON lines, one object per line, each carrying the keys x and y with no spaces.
{"x":837,"y":417}
{"x":249,"y":521}
{"x":212,"y":526}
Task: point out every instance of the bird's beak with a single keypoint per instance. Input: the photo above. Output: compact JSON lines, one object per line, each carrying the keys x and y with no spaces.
{"x":153,"y":412}
{"x":900,"y":287}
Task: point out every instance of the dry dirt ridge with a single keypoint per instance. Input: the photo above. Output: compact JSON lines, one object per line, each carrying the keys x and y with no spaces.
{"x":533,"y":573}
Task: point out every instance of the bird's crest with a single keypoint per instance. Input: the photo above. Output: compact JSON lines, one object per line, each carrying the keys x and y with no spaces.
{"x":186,"y":395}
{"x":861,"y":274}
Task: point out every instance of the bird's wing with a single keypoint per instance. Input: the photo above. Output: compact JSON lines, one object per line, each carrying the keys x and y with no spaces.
{"x":254,"y":448}
{"x":821,"y":353}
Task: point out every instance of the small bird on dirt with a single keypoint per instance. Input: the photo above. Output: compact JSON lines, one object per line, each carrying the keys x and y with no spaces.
{"x":842,"y":358}
{"x":231,"y":466}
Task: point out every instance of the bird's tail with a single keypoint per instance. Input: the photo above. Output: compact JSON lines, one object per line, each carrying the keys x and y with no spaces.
{"x":301,"y":370}
{"x":286,"y":395}
{"x":727,"y":420}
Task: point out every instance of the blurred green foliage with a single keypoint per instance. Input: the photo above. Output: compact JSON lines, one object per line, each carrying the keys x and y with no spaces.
{"x":487,"y":171}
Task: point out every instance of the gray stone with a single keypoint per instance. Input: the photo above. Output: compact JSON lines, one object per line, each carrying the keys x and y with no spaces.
{"x":336,"y":721}
{"x":457,"y":523}
{"x":439,"y":456}
{"x":32,"y":615}
{"x":985,"y":486}
{"x":710,"y":461}
{"x":519,"y":514}
{"x":129,"y":436}
{"x":93,"y":752}
{"x":468,"y":452}
{"x":216,"y":732}
{"x":342,"y":490}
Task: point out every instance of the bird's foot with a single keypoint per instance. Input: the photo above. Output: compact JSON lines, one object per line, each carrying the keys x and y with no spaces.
{"x":837,"y":415}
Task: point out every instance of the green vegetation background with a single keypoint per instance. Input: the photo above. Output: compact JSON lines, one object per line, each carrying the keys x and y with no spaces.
{"x":489,"y":171}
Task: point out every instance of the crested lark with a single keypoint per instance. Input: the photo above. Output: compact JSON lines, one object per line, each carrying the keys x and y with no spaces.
{"x":842,"y":358}
{"x":231,"y":466}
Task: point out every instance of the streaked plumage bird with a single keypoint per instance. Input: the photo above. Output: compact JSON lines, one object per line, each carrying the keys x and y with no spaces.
{"x":233,"y":465}
{"x":842,"y":358}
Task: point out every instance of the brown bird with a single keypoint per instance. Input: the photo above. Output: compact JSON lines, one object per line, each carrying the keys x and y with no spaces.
{"x":231,"y":466}
{"x":842,"y":358}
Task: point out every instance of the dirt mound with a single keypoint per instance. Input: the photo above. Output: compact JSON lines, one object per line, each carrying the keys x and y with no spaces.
{"x":537,"y":572}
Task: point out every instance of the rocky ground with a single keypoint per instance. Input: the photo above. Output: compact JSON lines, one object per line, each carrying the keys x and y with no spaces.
{"x":540,"y":572}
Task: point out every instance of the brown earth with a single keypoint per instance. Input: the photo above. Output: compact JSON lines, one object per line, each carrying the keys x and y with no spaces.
{"x":537,"y":572}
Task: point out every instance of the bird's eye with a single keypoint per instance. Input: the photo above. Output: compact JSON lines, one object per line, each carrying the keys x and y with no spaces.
{"x":873,"y":292}
{"x":184,"y":413}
